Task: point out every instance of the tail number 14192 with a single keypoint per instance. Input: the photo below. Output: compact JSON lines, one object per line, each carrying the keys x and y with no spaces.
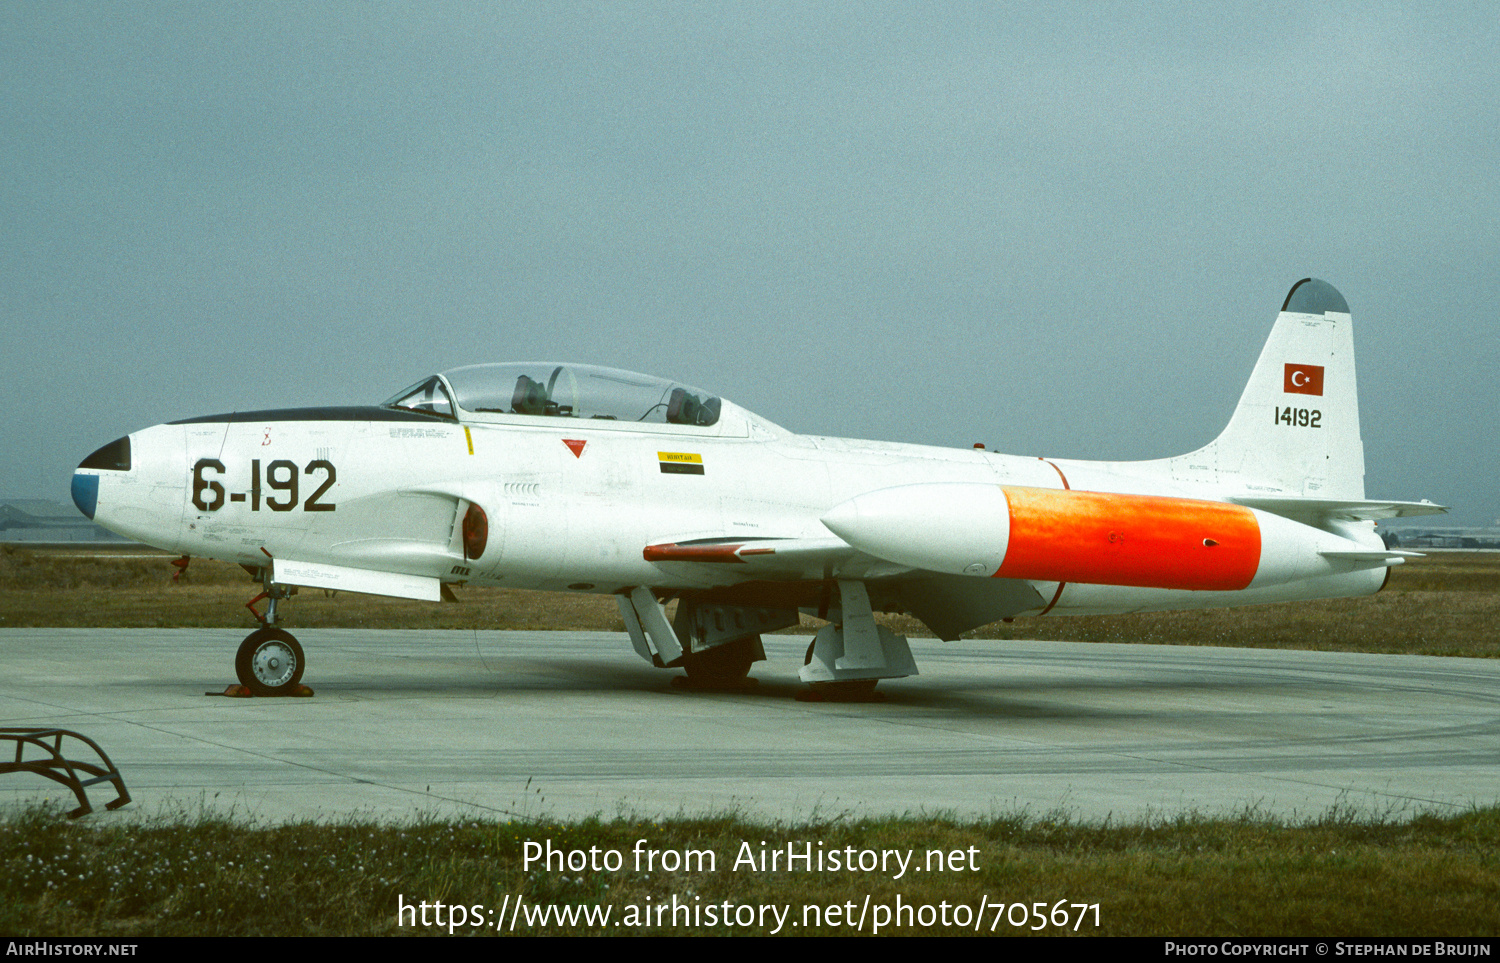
{"x":1298,"y":417}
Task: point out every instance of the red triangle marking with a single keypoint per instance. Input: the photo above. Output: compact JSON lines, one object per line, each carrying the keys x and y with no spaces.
{"x":575,"y":445}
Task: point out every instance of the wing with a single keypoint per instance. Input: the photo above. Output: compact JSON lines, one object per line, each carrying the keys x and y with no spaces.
{"x":792,"y":570}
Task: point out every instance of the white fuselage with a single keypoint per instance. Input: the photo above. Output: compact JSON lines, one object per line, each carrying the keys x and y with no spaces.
{"x":571,"y":504}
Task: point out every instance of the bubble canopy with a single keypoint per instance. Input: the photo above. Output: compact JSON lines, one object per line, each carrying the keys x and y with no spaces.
{"x":549,"y":390}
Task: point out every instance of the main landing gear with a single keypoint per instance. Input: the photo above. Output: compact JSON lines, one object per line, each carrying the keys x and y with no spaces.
{"x":270,"y":661}
{"x":724,"y":666}
{"x":848,"y":658}
{"x":717,"y":643}
{"x":714,"y":644}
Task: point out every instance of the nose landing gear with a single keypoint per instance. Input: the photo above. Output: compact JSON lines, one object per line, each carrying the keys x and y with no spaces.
{"x":270,"y":661}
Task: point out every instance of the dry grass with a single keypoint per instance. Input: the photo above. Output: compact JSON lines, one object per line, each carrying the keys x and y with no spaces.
{"x":1436,"y":605}
{"x":1445,"y":604}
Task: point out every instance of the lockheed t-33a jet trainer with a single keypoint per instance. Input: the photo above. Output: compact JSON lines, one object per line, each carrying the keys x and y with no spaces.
{"x":574,"y":478}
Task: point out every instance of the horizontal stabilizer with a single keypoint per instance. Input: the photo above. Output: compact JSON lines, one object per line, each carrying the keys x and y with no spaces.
{"x":1314,"y":510}
{"x":1387,"y":557}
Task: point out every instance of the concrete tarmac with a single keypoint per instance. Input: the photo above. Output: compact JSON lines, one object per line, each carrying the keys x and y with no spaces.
{"x":570,"y":724}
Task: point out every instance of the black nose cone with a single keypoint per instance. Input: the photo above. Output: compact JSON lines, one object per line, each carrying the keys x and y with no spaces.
{"x":114,"y":456}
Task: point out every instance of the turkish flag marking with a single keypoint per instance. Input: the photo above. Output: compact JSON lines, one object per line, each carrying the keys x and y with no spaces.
{"x":1303,"y":379}
{"x":575,"y":445}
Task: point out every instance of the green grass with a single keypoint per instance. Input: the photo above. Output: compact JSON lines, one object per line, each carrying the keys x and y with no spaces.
{"x":1336,"y":876}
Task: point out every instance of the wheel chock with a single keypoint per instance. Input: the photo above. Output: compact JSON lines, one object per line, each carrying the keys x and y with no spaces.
{"x":237,"y":691}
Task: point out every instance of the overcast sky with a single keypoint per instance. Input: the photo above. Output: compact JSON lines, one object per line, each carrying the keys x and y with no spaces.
{"x":1060,"y":229}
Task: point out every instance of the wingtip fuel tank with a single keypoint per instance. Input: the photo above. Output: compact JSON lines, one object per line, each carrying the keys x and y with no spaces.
{"x":1100,"y":538}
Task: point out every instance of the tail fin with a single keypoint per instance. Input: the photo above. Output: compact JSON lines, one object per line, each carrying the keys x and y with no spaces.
{"x":1296,"y":429}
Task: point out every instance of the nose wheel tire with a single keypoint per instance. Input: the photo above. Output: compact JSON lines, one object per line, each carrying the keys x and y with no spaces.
{"x":269,"y":662}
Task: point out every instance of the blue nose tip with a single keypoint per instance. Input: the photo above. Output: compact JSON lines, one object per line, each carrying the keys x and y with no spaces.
{"x":114,"y":456}
{"x":86,"y":492}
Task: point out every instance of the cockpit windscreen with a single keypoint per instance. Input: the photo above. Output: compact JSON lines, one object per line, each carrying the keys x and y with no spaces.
{"x":428,"y":396}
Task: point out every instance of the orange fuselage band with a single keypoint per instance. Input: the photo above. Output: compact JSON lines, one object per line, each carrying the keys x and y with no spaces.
{"x":1140,"y":540}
